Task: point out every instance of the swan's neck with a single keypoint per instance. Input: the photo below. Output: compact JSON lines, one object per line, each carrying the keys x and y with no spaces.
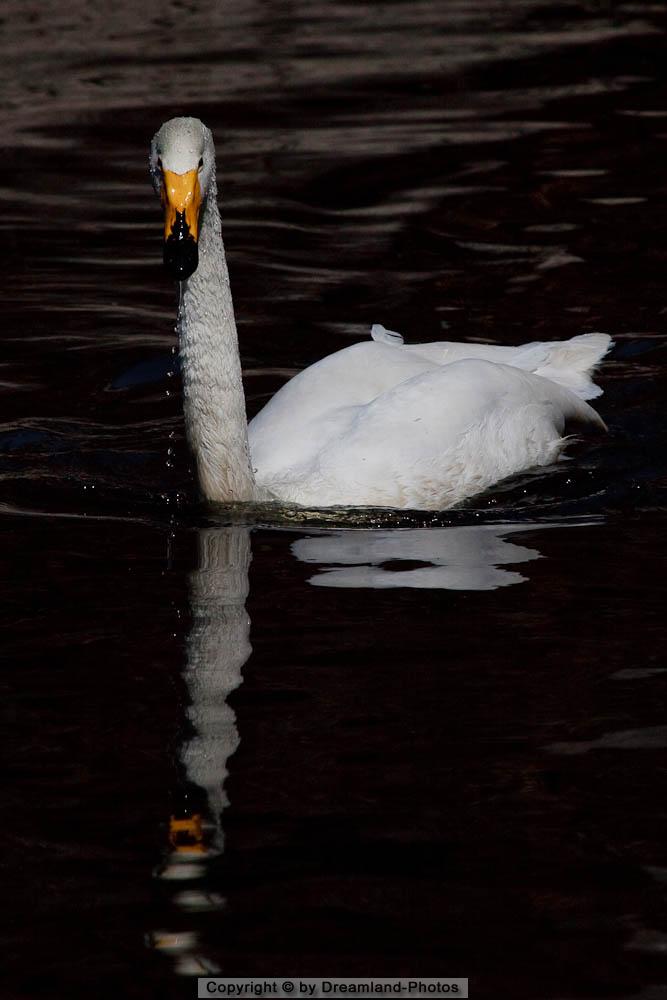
{"x":213,"y":400}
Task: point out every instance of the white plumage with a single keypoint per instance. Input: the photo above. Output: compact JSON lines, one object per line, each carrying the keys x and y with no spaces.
{"x":379,"y":423}
{"x":384,"y":424}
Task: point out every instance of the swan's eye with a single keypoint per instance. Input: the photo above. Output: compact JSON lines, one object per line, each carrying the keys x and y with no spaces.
{"x":159,"y":162}
{"x":201,"y":162}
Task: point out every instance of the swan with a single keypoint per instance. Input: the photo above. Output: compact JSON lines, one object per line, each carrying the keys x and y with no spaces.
{"x":379,"y":423}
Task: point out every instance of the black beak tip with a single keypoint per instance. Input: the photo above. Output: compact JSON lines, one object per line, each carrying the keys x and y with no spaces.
{"x":181,"y":258}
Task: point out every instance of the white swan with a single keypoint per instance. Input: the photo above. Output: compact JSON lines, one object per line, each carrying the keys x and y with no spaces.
{"x":376,"y":424}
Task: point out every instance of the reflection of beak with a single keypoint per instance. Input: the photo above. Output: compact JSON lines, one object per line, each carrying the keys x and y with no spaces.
{"x":181,"y":197}
{"x":186,"y":835}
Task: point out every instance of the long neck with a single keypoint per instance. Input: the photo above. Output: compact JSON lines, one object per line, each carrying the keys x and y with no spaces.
{"x":213,"y":400}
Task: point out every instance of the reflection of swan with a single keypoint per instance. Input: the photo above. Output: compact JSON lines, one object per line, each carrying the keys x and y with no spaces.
{"x":217,"y":647}
{"x":460,"y":558}
{"x":379,"y":423}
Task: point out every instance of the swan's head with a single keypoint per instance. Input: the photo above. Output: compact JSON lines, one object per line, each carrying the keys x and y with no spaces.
{"x":182,"y":163}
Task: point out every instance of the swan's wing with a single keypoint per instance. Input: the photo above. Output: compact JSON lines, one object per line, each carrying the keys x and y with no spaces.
{"x":281,"y":435}
{"x":436,"y":439}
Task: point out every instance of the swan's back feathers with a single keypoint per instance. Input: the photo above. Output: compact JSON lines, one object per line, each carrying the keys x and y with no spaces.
{"x":568,"y":362}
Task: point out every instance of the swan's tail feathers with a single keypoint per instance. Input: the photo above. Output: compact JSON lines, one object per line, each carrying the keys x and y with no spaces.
{"x":584,"y":415}
{"x":381,"y":335}
{"x":571,"y":363}
{"x":576,"y":412}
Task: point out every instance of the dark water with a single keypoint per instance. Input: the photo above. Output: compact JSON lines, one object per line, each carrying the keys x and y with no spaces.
{"x":446,"y":752}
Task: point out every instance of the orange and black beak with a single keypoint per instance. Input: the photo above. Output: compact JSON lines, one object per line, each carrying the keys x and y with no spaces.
{"x":181,"y":198}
